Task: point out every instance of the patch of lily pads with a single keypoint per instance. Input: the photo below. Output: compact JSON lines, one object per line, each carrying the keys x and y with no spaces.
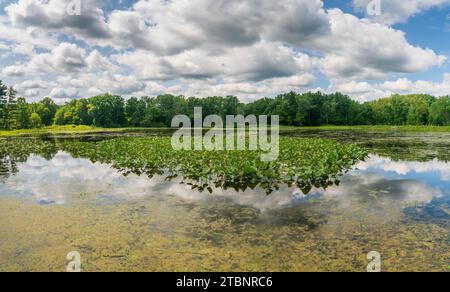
{"x":302,"y":162}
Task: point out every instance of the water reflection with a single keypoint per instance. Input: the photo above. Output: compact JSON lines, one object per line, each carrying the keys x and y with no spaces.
{"x":407,"y":146}
{"x":398,"y":207}
{"x":407,"y":168}
{"x":8,"y":166}
{"x":376,"y":183}
{"x":64,"y":178}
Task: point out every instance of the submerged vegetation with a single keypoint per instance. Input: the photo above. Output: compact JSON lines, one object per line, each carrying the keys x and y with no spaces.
{"x":302,"y":162}
{"x":155,"y":227}
{"x":164,"y":233}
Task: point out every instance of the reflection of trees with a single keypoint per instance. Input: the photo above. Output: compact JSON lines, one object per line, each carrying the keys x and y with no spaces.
{"x":8,"y":166}
{"x":14,"y":151}
{"x":18,"y":150}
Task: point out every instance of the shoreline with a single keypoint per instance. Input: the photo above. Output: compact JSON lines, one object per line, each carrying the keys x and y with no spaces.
{"x":75,"y":130}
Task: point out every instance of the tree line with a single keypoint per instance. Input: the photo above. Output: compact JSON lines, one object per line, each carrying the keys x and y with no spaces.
{"x":294,"y":109}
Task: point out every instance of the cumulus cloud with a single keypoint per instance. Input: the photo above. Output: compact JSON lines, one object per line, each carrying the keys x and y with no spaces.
{"x":59,"y":92}
{"x":53,"y":15}
{"x":64,"y":58}
{"x":32,"y":84}
{"x":397,"y":11}
{"x":14,"y":70}
{"x":258,"y":62}
{"x":404,"y":168}
{"x":248,"y":91}
{"x":250,"y":48}
{"x":174,"y":26}
{"x":365,"y":91}
{"x":25,"y":36}
{"x":361,"y":49}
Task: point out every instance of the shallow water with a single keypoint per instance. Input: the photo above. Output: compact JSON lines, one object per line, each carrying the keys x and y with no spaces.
{"x":397,"y":202}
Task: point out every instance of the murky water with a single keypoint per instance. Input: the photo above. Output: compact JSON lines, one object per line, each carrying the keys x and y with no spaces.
{"x":397,"y":202}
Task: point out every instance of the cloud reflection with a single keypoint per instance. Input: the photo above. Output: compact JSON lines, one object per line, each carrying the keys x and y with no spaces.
{"x":375,"y":162}
{"x":64,"y":178}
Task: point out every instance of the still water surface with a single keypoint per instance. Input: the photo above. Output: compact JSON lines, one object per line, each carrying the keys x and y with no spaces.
{"x":396,"y":202}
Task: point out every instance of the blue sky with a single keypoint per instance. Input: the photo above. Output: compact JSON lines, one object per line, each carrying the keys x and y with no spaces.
{"x":249,"y":49}
{"x":427,"y":29}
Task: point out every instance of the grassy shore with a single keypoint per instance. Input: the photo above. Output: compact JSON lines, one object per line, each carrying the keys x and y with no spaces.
{"x":71,"y":129}
{"x":378,"y":128}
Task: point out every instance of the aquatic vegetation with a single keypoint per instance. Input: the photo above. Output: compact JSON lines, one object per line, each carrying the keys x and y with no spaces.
{"x":302,"y":162}
{"x":158,"y":233}
{"x":13,"y":151}
{"x":400,"y":145}
{"x":165,"y":231}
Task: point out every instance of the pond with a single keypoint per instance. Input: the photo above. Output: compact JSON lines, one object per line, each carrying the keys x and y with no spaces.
{"x":395,"y":202}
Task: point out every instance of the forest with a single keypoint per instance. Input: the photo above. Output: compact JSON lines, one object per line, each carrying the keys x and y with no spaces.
{"x":294,"y":109}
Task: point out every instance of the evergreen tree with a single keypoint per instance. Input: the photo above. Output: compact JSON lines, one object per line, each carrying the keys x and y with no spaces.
{"x":11,"y":109}
{"x":3,"y":105}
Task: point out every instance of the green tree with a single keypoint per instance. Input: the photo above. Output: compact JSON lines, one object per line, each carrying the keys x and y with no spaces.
{"x":364,"y":115}
{"x":11,"y":109}
{"x":262,"y":106}
{"x":164,"y":107}
{"x":153,"y":114}
{"x":46,"y":109}
{"x":60,"y":116}
{"x":418,"y":112}
{"x":399,"y":110}
{"x":135,"y":111}
{"x":35,"y":121}
{"x":289,"y":108}
{"x":81,"y":112}
{"x":3,"y":105}
{"x":440,"y":112}
{"x":304,"y":109}
{"x":230,"y":106}
{"x":22,"y":114}
{"x":107,"y":111}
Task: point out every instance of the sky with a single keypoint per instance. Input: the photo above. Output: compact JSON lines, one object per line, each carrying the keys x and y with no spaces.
{"x":367,"y":49}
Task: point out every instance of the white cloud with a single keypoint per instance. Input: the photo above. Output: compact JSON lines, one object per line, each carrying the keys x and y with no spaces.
{"x":52,"y":15}
{"x":396,"y":11}
{"x":25,"y":36}
{"x":32,"y":84}
{"x":59,"y":93}
{"x":364,"y":91}
{"x":359,"y":49}
{"x":14,"y":70}
{"x":258,"y":62}
{"x":221,"y":47}
{"x":406,"y":167}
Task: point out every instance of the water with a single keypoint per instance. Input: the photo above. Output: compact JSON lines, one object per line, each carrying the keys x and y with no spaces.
{"x":397,"y":202}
